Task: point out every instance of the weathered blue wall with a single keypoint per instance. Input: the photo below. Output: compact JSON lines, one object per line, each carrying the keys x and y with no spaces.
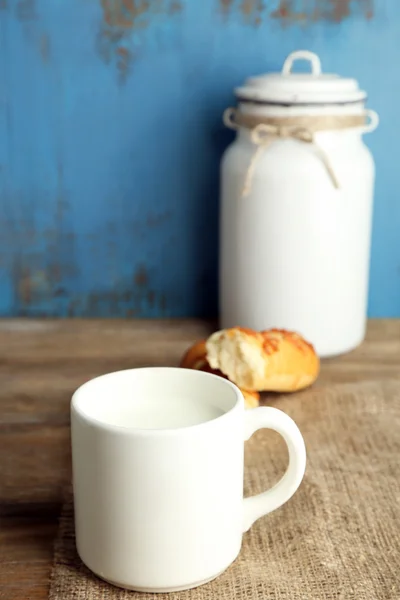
{"x":110,"y":139}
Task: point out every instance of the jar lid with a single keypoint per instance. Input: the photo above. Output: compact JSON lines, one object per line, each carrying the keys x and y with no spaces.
{"x":288,"y":88}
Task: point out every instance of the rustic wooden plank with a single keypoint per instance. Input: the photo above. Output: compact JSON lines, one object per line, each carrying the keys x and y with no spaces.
{"x":26,"y":553}
{"x":377,"y":358}
{"x":65,"y":342}
{"x":43,"y":362}
{"x":112,"y":343}
{"x":35,"y":465}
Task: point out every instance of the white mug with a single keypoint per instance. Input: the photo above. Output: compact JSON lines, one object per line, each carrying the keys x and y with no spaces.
{"x":158,"y":475}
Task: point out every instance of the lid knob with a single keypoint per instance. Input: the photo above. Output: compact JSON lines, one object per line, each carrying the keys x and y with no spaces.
{"x":302,"y":55}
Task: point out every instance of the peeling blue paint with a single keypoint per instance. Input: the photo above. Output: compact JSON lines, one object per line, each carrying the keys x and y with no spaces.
{"x":110,"y":148}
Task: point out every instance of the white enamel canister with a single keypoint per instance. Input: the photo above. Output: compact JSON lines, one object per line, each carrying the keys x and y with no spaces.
{"x":296,"y":207}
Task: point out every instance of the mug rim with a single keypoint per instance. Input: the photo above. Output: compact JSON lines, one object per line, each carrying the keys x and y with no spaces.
{"x":120,"y":429}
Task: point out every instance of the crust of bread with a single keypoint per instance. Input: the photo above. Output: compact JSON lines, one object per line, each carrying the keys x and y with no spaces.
{"x":196,"y":358}
{"x":251,"y":399}
{"x":274,"y":360}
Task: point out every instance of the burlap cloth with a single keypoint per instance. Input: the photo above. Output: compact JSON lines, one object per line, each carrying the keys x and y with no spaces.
{"x":338,"y":538}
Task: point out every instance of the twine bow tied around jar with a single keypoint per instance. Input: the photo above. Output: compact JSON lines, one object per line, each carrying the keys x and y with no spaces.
{"x":264,"y":134}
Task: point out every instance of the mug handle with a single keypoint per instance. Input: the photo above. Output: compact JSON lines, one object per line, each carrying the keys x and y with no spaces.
{"x":262,"y":504}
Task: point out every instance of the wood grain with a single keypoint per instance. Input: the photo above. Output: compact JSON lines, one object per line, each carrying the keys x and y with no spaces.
{"x":42,"y":363}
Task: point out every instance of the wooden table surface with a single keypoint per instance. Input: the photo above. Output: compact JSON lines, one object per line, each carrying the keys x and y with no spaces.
{"x":42,"y":363}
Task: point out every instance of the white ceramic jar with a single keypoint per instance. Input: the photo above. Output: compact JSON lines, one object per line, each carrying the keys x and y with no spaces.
{"x":296,"y":206}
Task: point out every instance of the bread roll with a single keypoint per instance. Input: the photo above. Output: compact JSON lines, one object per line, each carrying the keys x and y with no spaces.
{"x":274,"y":360}
{"x":195,"y":358}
